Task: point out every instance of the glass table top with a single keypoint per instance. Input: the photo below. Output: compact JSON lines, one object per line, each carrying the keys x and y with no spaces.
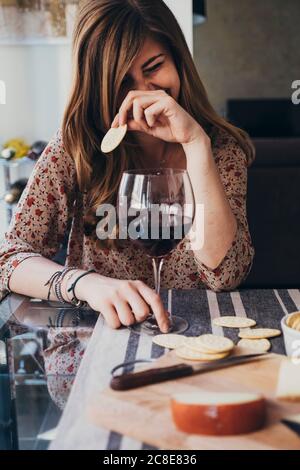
{"x":41,"y":347}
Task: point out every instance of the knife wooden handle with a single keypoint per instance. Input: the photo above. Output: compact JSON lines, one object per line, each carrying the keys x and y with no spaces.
{"x":150,"y":376}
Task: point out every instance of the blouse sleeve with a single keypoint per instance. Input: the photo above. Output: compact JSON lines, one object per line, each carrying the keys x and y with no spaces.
{"x":40,"y":221}
{"x":232,"y":165}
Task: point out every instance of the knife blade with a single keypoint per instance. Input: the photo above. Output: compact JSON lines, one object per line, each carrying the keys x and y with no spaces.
{"x":151,"y":376}
{"x":293,"y":422}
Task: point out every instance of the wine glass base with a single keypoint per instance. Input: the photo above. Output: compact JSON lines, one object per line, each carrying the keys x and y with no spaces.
{"x":178,"y":325}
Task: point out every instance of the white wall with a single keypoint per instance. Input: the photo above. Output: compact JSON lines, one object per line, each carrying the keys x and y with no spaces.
{"x":183,"y":10}
{"x":38,"y":79}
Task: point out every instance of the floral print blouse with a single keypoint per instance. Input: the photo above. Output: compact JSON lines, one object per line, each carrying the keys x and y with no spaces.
{"x":51,"y":206}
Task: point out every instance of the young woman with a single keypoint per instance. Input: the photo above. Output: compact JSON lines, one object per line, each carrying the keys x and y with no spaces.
{"x":131,"y":65}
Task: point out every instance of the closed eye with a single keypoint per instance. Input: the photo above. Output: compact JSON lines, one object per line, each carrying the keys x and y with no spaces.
{"x":127,"y":80}
{"x":155,"y":67}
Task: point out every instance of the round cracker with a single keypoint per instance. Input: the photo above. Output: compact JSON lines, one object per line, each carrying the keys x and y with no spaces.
{"x":292,"y":318}
{"x":191,"y":355}
{"x":192,"y":343}
{"x":169,"y":340}
{"x":296,"y":325}
{"x":113,"y":138}
{"x":293,"y":321}
{"x":259,"y":333}
{"x":234,"y":322}
{"x":262,"y":345}
{"x":210,"y":344}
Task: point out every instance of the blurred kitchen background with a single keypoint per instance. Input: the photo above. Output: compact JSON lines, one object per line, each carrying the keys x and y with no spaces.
{"x":248,"y":55}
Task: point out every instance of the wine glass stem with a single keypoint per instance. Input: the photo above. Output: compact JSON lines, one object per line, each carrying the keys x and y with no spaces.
{"x":157,"y":265}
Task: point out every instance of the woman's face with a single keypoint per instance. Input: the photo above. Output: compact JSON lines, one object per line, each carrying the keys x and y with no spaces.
{"x":153,"y":69}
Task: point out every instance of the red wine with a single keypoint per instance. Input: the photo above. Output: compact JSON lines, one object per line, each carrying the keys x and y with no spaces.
{"x":159,"y":238}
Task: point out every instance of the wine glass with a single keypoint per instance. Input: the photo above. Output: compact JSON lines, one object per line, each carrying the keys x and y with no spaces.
{"x":156,"y":209}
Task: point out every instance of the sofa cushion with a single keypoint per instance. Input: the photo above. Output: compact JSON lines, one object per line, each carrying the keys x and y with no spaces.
{"x":277,"y":152}
{"x":273,"y":205}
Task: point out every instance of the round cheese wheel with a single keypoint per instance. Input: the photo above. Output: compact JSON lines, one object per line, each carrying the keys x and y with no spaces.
{"x":218,"y":414}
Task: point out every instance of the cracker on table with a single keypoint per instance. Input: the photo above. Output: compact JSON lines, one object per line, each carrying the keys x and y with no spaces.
{"x":260,"y":345}
{"x":234,"y":322}
{"x":259,"y":333}
{"x":169,"y":340}
{"x":191,"y":355}
{"x":209,"y":344}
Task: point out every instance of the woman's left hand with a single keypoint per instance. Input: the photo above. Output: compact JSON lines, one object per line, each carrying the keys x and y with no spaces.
{"x":158,"y":114}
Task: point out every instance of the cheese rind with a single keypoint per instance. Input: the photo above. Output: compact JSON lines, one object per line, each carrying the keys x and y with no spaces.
{"x":218,"y":414}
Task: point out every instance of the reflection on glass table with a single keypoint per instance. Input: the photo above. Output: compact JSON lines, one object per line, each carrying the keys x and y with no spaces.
{"x":41,"y":347}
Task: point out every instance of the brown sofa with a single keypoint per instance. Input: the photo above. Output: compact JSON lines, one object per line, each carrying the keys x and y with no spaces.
{"x":273,"y":205}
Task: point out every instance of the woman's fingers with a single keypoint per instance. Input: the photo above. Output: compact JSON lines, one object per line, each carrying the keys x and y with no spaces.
{"x":152,"y":112}
{"x":145,"y":98}
{"x":127,"y":105}
{"x":110,"y":315}
{"x":124,"y":312}
{"x":132,"y":125}
{"x":140,"y":110}
{"x":138,"y":113}
{"x":132,"y":302}
{"x":156,"y":305}
{"x":139,"y":307}
{"x":115,"y":122}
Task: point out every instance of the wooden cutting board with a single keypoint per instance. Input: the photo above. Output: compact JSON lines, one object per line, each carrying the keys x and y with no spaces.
{"x":144,"y":413}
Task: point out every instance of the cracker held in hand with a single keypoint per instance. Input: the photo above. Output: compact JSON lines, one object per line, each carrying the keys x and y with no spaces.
{"x":259,"y":345}
{"x":234,"y":322}
{"x":170,"y":341}
{"x":191,"y":355}
{"x":113,"y":138}
{"x":259,"y":333}
{"x":210,"y":344}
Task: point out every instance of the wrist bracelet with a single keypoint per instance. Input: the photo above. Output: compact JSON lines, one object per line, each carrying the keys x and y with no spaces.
{"x":68,"y":278}
{"x":58,"y":284}
{"x":51,"y":282}
{"x":75,"y":301}
{"x":55,"y":280}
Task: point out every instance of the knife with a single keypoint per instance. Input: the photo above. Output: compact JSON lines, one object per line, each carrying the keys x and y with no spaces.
{"x":161,"y":374}
{"x":293,"y":422}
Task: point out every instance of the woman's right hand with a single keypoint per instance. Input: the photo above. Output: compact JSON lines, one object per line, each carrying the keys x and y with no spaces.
{"x":122,"y":302}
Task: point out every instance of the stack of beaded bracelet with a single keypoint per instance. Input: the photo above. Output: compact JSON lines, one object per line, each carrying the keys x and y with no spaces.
{"x":55,"y":281}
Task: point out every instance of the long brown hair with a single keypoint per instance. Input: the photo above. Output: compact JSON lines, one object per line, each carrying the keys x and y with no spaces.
{"x":108,"y":36}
